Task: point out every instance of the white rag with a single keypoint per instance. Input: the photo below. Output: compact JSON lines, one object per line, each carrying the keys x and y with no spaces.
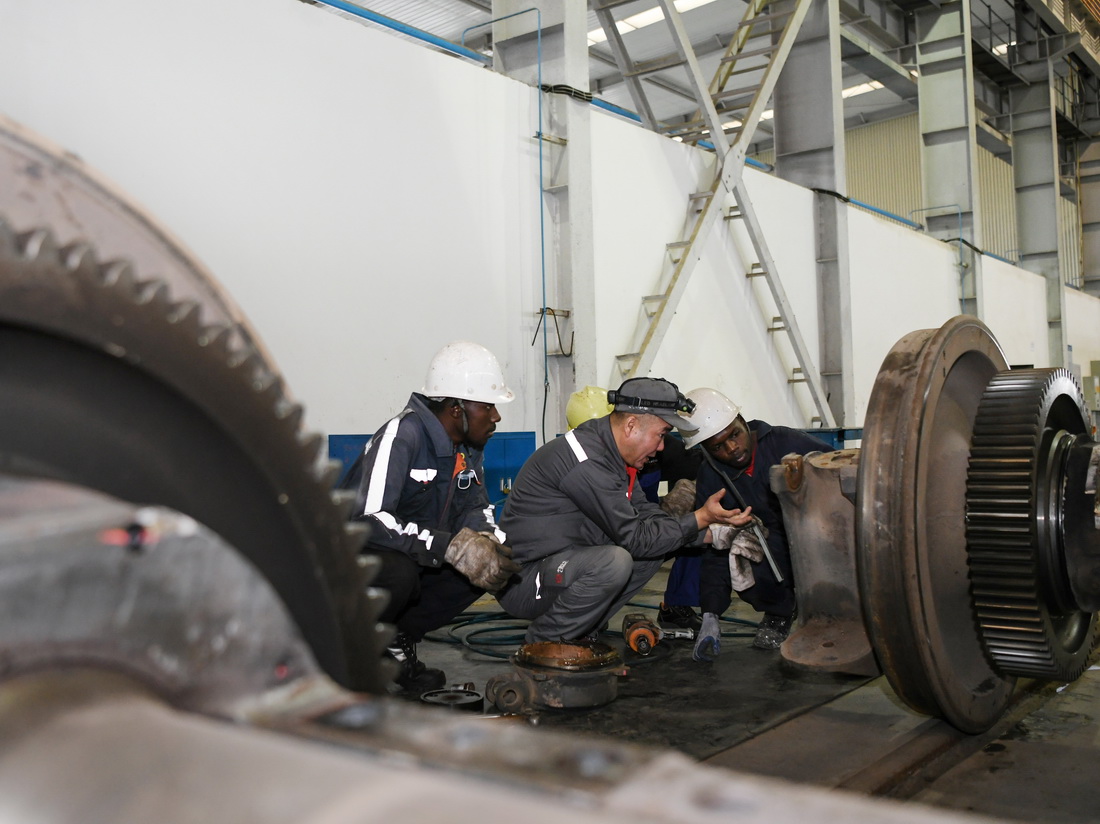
{"x":744,"y":548}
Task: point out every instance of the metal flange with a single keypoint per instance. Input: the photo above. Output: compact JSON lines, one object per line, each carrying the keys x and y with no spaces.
{"x":911,"y":523}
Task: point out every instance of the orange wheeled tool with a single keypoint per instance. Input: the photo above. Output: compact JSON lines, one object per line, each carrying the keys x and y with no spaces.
{"x":641,"y":634}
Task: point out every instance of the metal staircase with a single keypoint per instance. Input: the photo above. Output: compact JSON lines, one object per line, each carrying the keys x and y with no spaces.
{"x":725,"y":120}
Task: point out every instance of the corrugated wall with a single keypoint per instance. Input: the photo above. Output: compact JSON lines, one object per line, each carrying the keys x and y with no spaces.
{"x":997,"y":200}
{"x":884,"y":170}
{"x":1070,"y":223}
{"x":884,"y":165}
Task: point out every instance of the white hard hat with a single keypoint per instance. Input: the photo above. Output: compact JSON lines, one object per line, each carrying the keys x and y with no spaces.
{"x":467,"y":371}
{"x":713,"y":413}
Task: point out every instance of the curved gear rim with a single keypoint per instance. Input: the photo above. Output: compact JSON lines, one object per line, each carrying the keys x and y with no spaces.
{"x":910,"y":546}
{"x":67,"y":294}
{"x":1013,"y":596}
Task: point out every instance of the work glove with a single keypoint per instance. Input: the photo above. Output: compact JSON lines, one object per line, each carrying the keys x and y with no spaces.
{"x":709,"y":640}
{"x":744,"y":548}
{"x":680,"y":500}
{"x":723,"y":535}
{"x":744,"y":552}
{"x":485,"y":562}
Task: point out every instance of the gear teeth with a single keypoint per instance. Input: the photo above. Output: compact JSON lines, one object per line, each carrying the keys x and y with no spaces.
{"x":1019,"y":632}
{"x":39,"y":245}
{"x":118,"y":273}
{"x":355,"y":536}
{"x":186,"y":313}
{"x":344,"y":499}
{"x":216,"y":339}
{"x":80,"y":258}
{"x":268,"y":386}
{"x":101,"y":305}
{"x":376,"y":602}
{"x":290,"y":413}
{"x":370,"y":565}
{"x":245,"y":360}
{"x":309,"y":444}
{"x":329,"y":473}
{"x":153,"y":293}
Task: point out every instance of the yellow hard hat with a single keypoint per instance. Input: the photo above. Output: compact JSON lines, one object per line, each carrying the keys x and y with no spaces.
{"x":586,"y":404}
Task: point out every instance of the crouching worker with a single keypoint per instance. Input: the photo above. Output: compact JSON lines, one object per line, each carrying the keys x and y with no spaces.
{"x":419,"y":486}
{"x":585,"y":535}
{"x":738,"y":457}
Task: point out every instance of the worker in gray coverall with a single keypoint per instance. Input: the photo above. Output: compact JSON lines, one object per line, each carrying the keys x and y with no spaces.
{"x":583,"y":532}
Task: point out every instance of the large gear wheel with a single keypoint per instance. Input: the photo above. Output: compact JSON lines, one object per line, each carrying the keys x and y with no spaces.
{"x":107,"y":383}
{"x":911,"y":523}
{"x":1030,"y":624}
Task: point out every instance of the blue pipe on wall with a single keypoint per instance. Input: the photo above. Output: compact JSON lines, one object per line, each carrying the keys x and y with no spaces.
{"x":419,"y":34}
{"x":912,"y":224}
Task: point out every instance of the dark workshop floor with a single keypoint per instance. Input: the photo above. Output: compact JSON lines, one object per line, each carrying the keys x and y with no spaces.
{"x":750,"y":712}
{"x":667,"y":699}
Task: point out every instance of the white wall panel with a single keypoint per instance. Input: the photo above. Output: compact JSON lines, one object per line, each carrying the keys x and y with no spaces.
{"x":901,"y":281}
{"x":1012,"y":296}
{"x":365,"y":199}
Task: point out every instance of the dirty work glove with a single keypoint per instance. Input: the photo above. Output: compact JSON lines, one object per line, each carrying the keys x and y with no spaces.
{"x":744,"y":551}
{"x":709,"y":640}
{"x":680,"y":500}
{"x":482,"y":560}
{"x":722,"y":535}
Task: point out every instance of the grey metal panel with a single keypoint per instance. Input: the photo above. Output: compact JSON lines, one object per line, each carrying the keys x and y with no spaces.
{"x":1035,"y":173}
{"x":809,"y":150}
{"x":949,"y":142}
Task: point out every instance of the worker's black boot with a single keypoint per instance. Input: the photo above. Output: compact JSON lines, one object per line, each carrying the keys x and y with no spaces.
{"x":772,"y":631}
{"x":682,"y":617}
{"x":413,"y":677}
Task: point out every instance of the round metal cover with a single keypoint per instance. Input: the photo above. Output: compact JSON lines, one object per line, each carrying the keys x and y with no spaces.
{"x":570,"y":657}
{"x":455,"y":698}
{"x":911,"y":523}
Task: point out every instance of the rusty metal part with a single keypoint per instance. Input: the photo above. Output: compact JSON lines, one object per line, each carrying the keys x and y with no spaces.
{"x":553,"y":675}
{"x":911,"y":524}
{"x":792,"y":471}
{"x":106,"y":382}
{"x":559,"y":655}
{"x":87,"y":580}
{"x":819,"y":518}
{"x":1028,"y":425}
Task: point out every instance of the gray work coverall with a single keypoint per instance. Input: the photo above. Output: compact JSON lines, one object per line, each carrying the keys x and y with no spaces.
{"x":587,"y":540}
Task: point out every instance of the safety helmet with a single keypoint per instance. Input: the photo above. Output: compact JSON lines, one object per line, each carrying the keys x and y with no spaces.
{"x":586,"y":404}
{"x":713,"y":413}
{"x":467,"y":371}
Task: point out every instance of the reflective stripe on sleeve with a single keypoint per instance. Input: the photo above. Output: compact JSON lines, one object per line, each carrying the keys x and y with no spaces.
{"x":376,"y":489}
{"x":575,"y":445}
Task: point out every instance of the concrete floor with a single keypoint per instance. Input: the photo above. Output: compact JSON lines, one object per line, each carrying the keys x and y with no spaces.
{"x":751,"y":712}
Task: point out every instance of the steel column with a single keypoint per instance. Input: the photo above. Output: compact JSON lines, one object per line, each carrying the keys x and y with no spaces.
{"x":1035,"y":174}
{"x":809,"y":150}
{"x":949,"y":139}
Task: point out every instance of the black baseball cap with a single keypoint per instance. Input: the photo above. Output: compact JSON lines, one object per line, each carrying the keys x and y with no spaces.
{"x":653,"y":396}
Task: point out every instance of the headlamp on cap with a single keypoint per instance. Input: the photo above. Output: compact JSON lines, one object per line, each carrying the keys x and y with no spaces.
{"x":653,"y":396}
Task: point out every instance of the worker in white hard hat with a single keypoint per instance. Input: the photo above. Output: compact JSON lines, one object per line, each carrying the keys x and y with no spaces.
{"x":586,"y":538}
{"x":739,"y":455}
{"x":420,"y":487}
